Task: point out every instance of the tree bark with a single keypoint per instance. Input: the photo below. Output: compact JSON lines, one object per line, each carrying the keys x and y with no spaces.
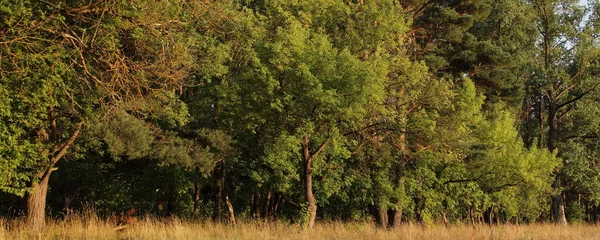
{"x":382,"y":217}
{"x":308,"y":181}
{"x":36,"y":199}
{"x":218,"y":196}
{"x":196,"y":200}
{"x":172,"y":199}
{"x":36,"y":205}
{"x":400,"y":179}
{"x":67,"y":200}
{"x":491,"y":216}
{"x":310,"y":197}
{"x":558,"y":204}
{"x":552,"y":126}
{"x":159,"y":205}
{"x":275,"y":205}
{"x":397,"y":217}
{"x":558,"y":209}
{"x":230,"y":209}
{"x":267,"y":206}
{"x":255,"y":205}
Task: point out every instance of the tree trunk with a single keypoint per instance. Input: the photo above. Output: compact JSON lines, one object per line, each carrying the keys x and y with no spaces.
{"x":400,"y":179}
{"x":558,"y":204}
{"x":267,"y":206}
{"x":558,"y":209}
{"x":498,"y":218}
{"x":196,"y":200}
{"x":540,"y":119}
{"x":469,"y":216}
{"x":67,"y":200}
{"x":491,"y":216}
{"x":219,"y":175}
{"x":310,"y":197}
{"x":397,"y":217}
{"x":217,"y":208}
{"x":308,"y":181}
{"x":230,"y":209}
{"x":36,"y":199}
{"x":382,"y":217}
{"x":445,"y":218}
{"x":552,"y":127}
{"x":275,"y":205}
{"x":255,"y":205}
{"x":36,"y":205}
{"x":172,"y":200}
{"x":159,"y":204}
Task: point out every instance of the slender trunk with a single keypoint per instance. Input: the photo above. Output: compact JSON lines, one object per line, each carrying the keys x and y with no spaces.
{"x":308,"y":181}
{"x":552,"y":127}
{"x":310,"y":197}
{"x":498,"y":218}
{"x":540,"y":119}
{"x":218,"y":196}
{"x":36,"y":205}
{"x":196,"y":200}
{"x":491,"y":216}
{"x":558,"y":210}
{"x":159,"y":205}
{"x":172,"y":200}
{"x":400,"y":179}
{"x":558,"y":204}
{"x":417,"y":208}
{"x":252,"y":205}
{"x":397,"y":220}
{"x":397,"y":217}
{"x":255,"y":205}
{"x":267,"y":206}
{"x":469,"y":219}
{"x":68,"y":199}
{"x":276,"y":205}
{"x":445,"y":218}
{"x":230,"y":209}
{"x":382,"y":217}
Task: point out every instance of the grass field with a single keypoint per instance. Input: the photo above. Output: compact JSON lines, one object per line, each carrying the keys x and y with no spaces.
{"x":92,"y":228}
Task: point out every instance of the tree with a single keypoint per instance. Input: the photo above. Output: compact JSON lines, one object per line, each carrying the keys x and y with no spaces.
{"x":563,"y":76}
{"x":63,"y":65}
{"x":488,"y":41}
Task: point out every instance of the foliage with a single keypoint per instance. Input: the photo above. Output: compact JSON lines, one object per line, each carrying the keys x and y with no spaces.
{"x":403,"y":111}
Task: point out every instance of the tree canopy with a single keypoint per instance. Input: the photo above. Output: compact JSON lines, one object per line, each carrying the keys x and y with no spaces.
{"x":398,"y":111}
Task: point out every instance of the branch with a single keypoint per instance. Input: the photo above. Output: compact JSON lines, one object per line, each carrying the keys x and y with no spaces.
{"x":498,"y":188}
{"x":320,"y":149}
{"x":561,"y":93}
{"x":57,"y":155}
{"x":564,"y":113}
{"x":363,"y":128}
{"x":576,"y":98}
{"x":461,"y":180}
{"x":421,"y":8}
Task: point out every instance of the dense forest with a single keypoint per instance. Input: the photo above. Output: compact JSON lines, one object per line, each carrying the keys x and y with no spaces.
{"x":396,"y":111}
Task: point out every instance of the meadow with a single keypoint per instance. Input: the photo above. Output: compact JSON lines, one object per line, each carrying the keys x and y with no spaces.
{"x":92,"y":227}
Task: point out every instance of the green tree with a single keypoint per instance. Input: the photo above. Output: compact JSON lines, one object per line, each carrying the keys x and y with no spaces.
{"x":488,"y":41}
{"x":63,"y":64}
{"x":564,"y":75}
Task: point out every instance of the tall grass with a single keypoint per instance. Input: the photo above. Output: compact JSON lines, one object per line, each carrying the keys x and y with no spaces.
{"x":92,"y":227}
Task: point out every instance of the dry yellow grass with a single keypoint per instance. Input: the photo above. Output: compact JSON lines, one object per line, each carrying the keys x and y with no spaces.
{"x":93,"y":228}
